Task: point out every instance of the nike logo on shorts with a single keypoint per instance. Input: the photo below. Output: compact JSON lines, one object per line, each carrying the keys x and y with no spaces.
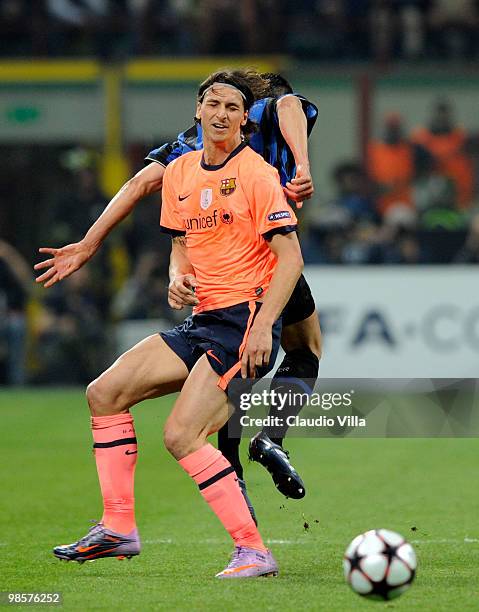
{"x":211,"y":354}
{"x":129,"y":452}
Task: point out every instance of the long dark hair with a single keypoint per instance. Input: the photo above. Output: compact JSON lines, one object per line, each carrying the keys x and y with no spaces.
{"x":277,"y":84}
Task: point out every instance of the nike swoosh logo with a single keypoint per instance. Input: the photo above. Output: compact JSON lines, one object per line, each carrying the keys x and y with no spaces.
{"x":239,"y":569}
{"x":82,"y":549}
{"x":181,"y":198}
{"x":102,"y":552}
{"x":129,"y":452}
{"x":211,"y":354}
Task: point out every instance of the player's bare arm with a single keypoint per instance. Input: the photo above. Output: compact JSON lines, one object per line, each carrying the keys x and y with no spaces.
{"x":288,"y":269}
{"x":293,"y":126}
{"x":182,"y":276}
{"x":68,"y":259}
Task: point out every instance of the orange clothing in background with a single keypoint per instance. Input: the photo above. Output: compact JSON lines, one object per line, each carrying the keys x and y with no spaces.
{"x":392,"y":166}
{"x":452,"y":161}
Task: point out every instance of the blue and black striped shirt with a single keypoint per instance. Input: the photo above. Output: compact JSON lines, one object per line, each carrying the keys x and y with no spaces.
{"x":267,"y":140}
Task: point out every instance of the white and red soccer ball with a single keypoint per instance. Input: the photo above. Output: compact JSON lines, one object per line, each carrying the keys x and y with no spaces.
{"x":379,"y":564}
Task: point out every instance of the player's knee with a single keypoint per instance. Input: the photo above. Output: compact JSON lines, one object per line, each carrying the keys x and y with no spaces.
{"x":178,"y":440}
{"x":96,"y":398}
{"x":300,"y":363}
{"x":303,"y":336}
{"x":314,"y":342}
{"x":173,"y":439}
{"x":102,"y":399}
{"x":316,"y":345}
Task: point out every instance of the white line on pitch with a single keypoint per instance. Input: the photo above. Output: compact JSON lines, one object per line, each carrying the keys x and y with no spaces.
{"x":287,"y":542}
{"x":446,"y":541}
{"x":160,"y":541}
{"x":218,"y":542}
{"x":215,"y":541}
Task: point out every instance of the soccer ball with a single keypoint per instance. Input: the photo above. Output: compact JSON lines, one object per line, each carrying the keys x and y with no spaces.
{"x":379,"y":564}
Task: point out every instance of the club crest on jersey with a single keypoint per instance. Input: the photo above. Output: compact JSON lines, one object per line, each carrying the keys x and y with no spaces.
{"x":228,"y":186}
{"x":226,"y":216}
{"x":206,"y":198}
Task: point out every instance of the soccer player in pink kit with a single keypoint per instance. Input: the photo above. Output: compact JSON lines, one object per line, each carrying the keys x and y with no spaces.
{"x":281,"y":124}
{"x":247,"y":260}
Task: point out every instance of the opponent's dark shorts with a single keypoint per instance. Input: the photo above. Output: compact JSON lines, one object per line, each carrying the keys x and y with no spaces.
{"x":300,"y":305}
{"x":221,"y":335}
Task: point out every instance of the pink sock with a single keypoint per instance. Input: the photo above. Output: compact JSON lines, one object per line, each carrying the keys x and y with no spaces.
{"x":115,"y":453}
{"x":218,"y":485}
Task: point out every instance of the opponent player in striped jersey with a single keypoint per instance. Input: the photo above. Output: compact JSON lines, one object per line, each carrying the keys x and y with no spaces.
{"x":281,"y":144}
{"x":246,"y":257}
{"x":283,"y":122}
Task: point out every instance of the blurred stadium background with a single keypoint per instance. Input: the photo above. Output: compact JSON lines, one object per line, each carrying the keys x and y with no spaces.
{"x":391,"y":242}
{"x":391,"y":236}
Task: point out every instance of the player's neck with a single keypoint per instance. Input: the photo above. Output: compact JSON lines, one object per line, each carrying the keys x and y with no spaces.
{"x":215,"y":153}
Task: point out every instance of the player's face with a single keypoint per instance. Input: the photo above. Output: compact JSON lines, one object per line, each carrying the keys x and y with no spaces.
{"x":222,"y":114}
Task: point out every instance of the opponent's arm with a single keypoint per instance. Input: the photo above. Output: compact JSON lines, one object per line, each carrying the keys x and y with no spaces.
{"x":294,"y":128}
{"x":182,"y":276}
{"x":71,"y":257}
{"x":285,"y":276}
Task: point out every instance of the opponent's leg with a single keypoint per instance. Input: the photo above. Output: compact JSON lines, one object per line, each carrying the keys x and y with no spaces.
{"x":230,"y":446}
{"x":150,"y":369}
{"x":299,"y":369}
{"x":192,"y":419}
{"x":304,"y":334}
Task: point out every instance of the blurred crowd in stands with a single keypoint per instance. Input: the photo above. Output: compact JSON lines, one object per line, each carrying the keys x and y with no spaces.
{"x":66,"y":334}
{"x":413,"y":200}
{"x":344,"y":30}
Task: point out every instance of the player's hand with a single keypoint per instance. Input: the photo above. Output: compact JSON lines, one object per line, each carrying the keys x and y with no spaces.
{"x":301,"y":187}
{"x":257,"y":351}
{"x":181,"y":291}
{"x":63,"y":262}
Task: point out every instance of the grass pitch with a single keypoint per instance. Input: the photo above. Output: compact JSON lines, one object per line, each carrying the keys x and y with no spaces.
{"x":428,"y":490}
